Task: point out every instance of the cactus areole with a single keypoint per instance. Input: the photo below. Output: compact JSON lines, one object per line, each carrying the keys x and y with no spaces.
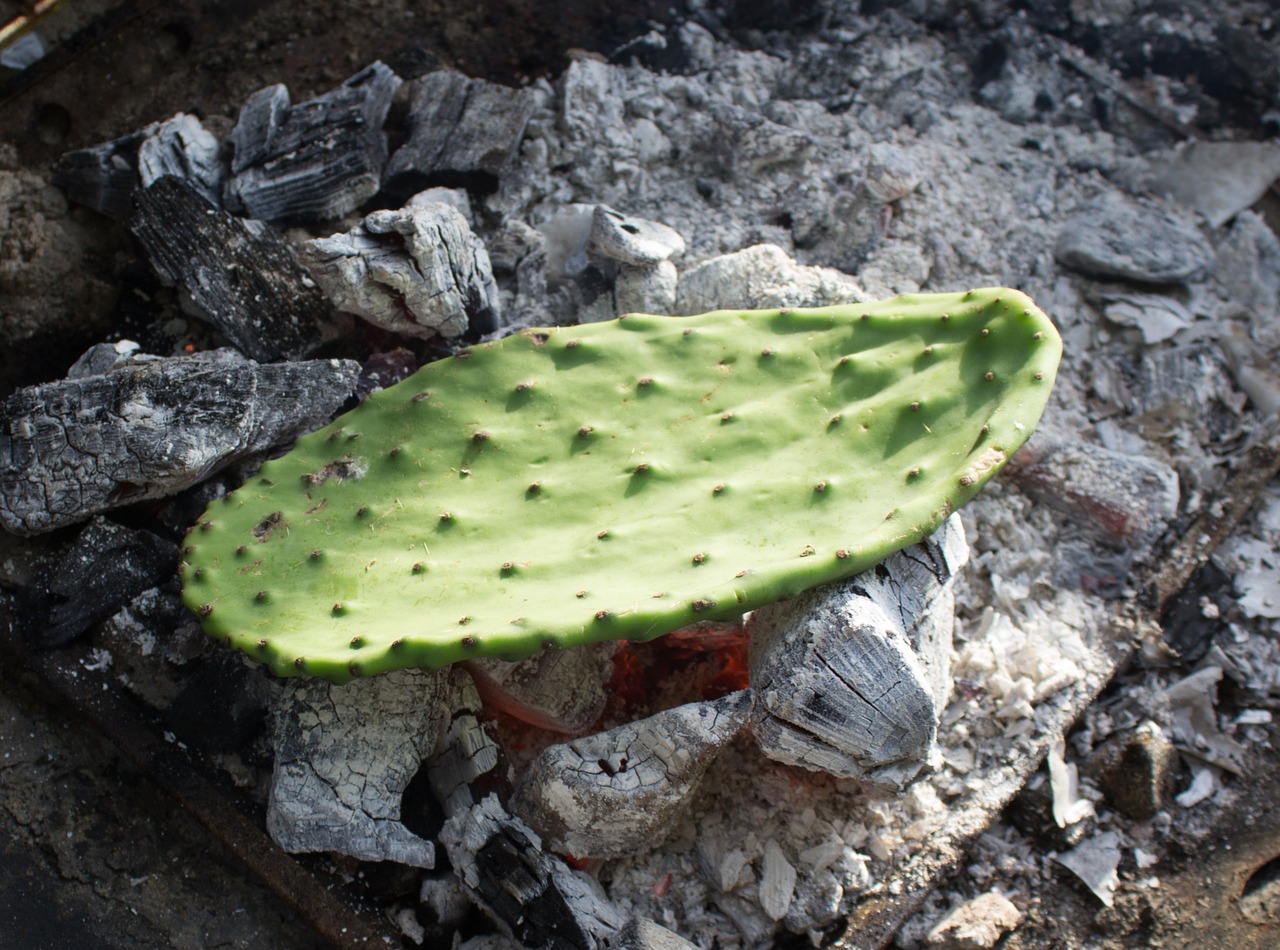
{"x":618,"y":480}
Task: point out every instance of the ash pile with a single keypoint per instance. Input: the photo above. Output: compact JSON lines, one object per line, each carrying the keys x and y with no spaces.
{"x":816,"y":770}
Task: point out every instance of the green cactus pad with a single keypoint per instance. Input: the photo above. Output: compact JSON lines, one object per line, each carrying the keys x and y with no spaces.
{"x":618,"y":480}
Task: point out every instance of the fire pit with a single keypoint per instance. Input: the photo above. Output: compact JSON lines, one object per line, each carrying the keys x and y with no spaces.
{"x":811,"y":773}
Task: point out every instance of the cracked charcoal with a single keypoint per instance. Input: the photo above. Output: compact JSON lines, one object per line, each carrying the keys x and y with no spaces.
{"x":73,"y":448}
{"x":242,"y":276}
{"x":345,"y":755}
{"x":419,"y":271}
{"x":851,"y":677}
{"x":313,"y":161}
{"x":618,"y":791}
{"x":461,"y":131}
{"x":183,"y":148}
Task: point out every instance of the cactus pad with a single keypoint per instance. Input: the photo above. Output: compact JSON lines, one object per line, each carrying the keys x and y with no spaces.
{"x":618,"y":480}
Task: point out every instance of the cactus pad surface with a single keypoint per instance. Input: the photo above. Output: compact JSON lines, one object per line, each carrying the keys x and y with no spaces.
{"x":618,"y":480}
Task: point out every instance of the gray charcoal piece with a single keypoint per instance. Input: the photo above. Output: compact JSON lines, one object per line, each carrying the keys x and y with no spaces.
{"x":104,"y":357}
{"x":762,"y":276}
{"x":1120,"y":499}
{"x":316,"y":160}
{"x":851,"y":677}
{"x":104,"y":176}
{"x":618,"y":792}
{"x":558,"y":690}
{"x":76,"y":447}
{"x":418,"y":271}
{"x":183,"y":148}
{"x":461,"y":132}
{"x":466,"y":753}
{"x":641,"y":933}
{"x":535,"y":896}
{"x":242,"y":275}
{"x":345,"y":755}
{"x":1139,"y":240}
{"x":622,"y":239}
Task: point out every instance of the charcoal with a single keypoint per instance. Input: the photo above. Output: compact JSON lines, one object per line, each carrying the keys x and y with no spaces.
{"x":344,"y":757}
{"x":762,"y":276}
{"x":461,"y":132}
{"x":222,"y":707}
{"x":851,"y":677}
{"x":385,"y":369}
{"x":1120,"y":500}
{"x":1143,"y":241}
{"x":617,"y":792}
{"x":557,"y":690}
{"x":183,"y":148}
{"x":107,"y":566}
{"x":640,"y":933}
{"x":466,"y":757}
{"x":241,"y":275}
{"x":102,"y":358}
{"x":76,"y":447}
{"x":314,"y":161}
{"x":532,"y":894}
{"x":153,"y":641}
{"x":1137,"y":771}
{"x":419,"y":271}
{"x":103,"y":177}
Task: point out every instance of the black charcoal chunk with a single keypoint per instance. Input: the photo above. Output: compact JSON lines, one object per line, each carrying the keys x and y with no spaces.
{"x":222,"y":708}
{"x":76,"y":447}
{"x":242,"y":275}
{"x":183,"y":148}
{"x":103,"y":177}
{"x":419,"y":271}
{"x":534,"y":895}
{"x":461,"y":133}
{"x":107,"y":566}
{"x":313,"y":161}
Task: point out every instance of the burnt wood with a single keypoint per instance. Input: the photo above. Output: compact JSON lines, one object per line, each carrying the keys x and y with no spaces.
{"x":313,"y":161}
{"x":76,"y":447}
{"x":461,"y":133}
{"x":242,"y":275}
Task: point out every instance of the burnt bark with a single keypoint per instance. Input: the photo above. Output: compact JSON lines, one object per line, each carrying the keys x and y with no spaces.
{"x":242,"y":275}
{"x":76,"y":447}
